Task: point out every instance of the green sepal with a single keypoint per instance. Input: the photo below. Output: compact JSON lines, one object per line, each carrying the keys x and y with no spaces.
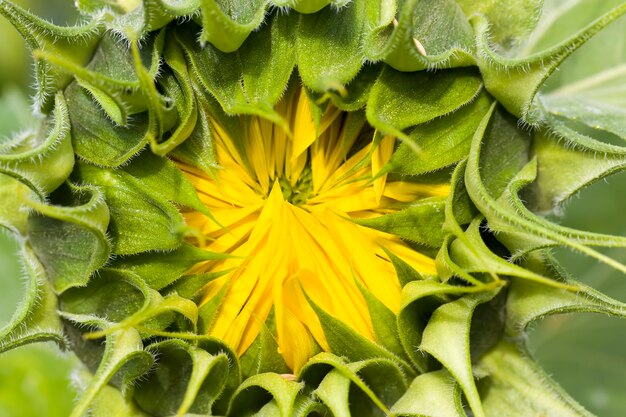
{"x":583,"y":167}
{"x":161,"y":269}
{"x":219,"y":354}
{"x":112,"y":294}
{"x":445,"y":34}
{"x":495,"y":194}
{"x":378,"y":384}
{"x":442,"y":142}
{"x":190,"y":286}
{"x":14,"y":194}
{"x":265,"y":77}
{"x":120,"y":76}
{"x":35,"y":319}
{"x":70,"y":240}
{"x":187,"y":380}
{"x":95,"y":138}
{"x":112,"y":105}
{"x":354,"y":97}
{"x":459,"y":208}
{"x":515,"y":81}
{"x":347,"y":343}
{"x":383,"y":323}
{"x":137,"y":19}
{"x":108,"y":401}
{"x":587,"y":89}
{"x":470,"y":255}
{"x":158,"y":313}
{"x":330,"y":62}
{"x":405,"y":272}
{"x":516,"y":385}
{"x":421,"y":222}
{"x":124,"y":361}
{"x":447,"y":267}
{"x":488,"y":324}
{"x":198,"y":150}
{"x":500,"y":140}
{"x":529,"y":301}
{"x":262,"y":388}
{"x":421,"y":35}
{"x":217,"y":347}
{"x":208,"y":309}
{"x":76,"y":43}
{"x":247,"y":81}
{"x":41,"y":159}
{"x":178,"y":89}
{"x":555,"y":235}
{"x":419,"y":300}
{"x":509,"y":22}
{"x":162,"y":110}
{"x":306,"y":406}
{"x":155,"y":314}
{"x":140,"y":307}
{"x":114,"y":87}
{"x":227,"y":30}
{"x":310,"y":6}
{"x":162,"y":179}
{"x":178,"y":8}
{"x":447,"y":338}
{"x":141,"y":219}
{"x":401,"y":100}
{"x":588,"y":110}
{"x":262,"y":356}
{"x":433,"y":394}
{"x":113,"y":84}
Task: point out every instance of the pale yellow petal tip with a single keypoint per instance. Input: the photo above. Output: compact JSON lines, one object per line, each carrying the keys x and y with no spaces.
{"x":287,"y":216}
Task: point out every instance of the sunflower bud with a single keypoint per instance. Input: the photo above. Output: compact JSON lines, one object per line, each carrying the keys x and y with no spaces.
{"x":319,"y":208}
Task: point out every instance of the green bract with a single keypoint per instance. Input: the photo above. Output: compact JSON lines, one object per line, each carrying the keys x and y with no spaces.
{"x":471,"y":90}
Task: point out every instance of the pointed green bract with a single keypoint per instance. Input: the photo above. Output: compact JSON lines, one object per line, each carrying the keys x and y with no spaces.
{"x":443,"y":141}
{"x":452,"y":321}
{"x":342,"y":50}
{"x":263,"y":356}
{"x":124,"y":358}
{"x":43,"y":158}
{"x":77,"y":43}
{"x":376,"y":384}
{"x":516,"y":81}
{"x":419,"y":223}
{"x":34,"y":320}
{"x":195,"y":379}
{"x":401,"y":100}
{"x":71,"y":241}
{"x":506,"y":363}
{"x":430,"y":395}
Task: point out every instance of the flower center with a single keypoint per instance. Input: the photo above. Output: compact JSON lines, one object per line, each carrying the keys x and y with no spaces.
{"x":299,"y":193}
{"x":283,"y":206}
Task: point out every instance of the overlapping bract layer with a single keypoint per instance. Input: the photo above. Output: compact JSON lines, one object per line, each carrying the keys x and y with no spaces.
{"x":97,"y":203}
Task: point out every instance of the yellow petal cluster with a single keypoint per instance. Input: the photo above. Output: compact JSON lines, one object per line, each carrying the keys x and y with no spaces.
{"x":282,"y":203}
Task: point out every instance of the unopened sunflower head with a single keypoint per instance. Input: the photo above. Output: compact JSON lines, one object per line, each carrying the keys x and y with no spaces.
{"x":310,"y":207}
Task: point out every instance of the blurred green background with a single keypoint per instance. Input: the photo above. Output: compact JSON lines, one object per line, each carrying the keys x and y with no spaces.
{"x":583,"y":352}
